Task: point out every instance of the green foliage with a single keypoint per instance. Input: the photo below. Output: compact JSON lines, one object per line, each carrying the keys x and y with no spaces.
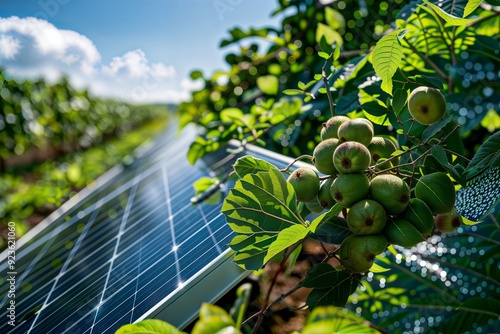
{"x":330,"y":287}
{"x":363,"y":59}
{"x":250,"y":165}
{"x":35,"y":114}
{"x":386,"y":58}
{"x":258,"y":208}
{"x":149,"y":326}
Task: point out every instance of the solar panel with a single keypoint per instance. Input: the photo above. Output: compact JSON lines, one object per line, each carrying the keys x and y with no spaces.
{"x":130,"y":246}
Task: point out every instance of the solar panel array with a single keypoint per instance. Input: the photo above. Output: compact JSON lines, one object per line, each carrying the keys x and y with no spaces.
{"x":121,"y":250}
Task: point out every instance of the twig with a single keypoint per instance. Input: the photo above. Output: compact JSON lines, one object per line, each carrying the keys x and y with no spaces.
{"x":327,"y":85}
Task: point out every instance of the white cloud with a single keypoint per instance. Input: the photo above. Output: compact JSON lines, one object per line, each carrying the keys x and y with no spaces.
{"x":9,"y":46}
{"x":31,"y":47}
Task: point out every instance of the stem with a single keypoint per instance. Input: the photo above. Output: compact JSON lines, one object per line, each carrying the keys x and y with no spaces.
{"x":265,"y":304}
{"x":327,"y":85}
{"x":458,"y":155}
{"x":305,"y":156}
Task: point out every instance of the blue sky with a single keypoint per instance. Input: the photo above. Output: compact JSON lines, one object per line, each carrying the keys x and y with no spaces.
{"x":139,"y":50}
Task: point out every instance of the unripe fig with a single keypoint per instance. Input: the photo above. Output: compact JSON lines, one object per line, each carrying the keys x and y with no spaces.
{"x":426,"y":105}
{"x":323,"y":156}
{"x":357,"y":252}
{"x":347,"y":189}
{"x":381,"y":147}
{"x":314,"y":205}
{"x":324,"y":196}
{"x":401,"y":232}
{"x":366,"y":217}
{"x":448,"y":222}
{"x":419,"y":215}
{"x":305,"y":182}
{"x":390,"y":191}
{"x":330,"y":128}
{"x":437,"y":191}
{"x":356,"y":130}
{"x":351,"y":157}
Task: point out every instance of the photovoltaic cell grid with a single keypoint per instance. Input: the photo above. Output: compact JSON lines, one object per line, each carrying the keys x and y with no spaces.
{"x":122,"y":249}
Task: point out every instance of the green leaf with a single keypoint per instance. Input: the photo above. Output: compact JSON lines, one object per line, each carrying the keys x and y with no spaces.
{"x":457,"y":171}
{"x":386,"y":57}
{"x":205,"y":185}
{"x":332,"y":231}
{"x":480,"y":196}
{"x":195,"y":152}
{"x":241,"y":303}
{"x":375,"y":108}
{"x":401,"y":232}
{"x":433,"y":129}
{"x":439,"y":154}
{"x":196,"y":74}
{"x":250,"y":165}
{"x":336,"y":54}
{"x":149,"y":326}
{"x":427,"y":81}
{"x":325,"y":217}
{"x":334,"y":18}
{"x":257,"y":209}
{"x":230,"y":115}
{"x":292,"y":259}
{"x":336,"y":287}
{"x":323,"y":55}
{"x":330,"y":35}
{"x":286,"y":238}
{"x":268,"y":84}
{"x":399,"y":100}
{"x":488,"y":155}
{"x":293,"y":92}
{"x":450,"y":19}
{"x":378,"y":269}
{"x":214,"y":320}
{"x":471,"y":6}
{"x":321,"y":276}
{"x":330,"y":319}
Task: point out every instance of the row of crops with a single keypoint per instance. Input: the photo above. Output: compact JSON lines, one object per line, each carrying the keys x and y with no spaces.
{"x":36,"y":114}
{"x":55,"y":140}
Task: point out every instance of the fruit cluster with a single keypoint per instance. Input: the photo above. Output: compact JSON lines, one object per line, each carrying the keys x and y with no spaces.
{"x":379,"y":206}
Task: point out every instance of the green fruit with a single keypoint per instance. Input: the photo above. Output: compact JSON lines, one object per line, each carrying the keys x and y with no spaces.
{"x":401,"y":232}
{"x":305,"y":182}
{"x":448,"y":222}
{"x":426,"y":105}
{"x":323,"y":156}
{"x":437,"y":191}
{"x":357,"y":252}
{"x":419,"y":215}
{"x":381,"y":147}
{"x":330,"y":128}
{"x":314,"y":205}
{"x":356,"y":130}
{"x":390,"y":191}
{"x":366,"y":217}
{"x":347,"y":189}
{"x":351,"y":157}
{"x":324,"y":196}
